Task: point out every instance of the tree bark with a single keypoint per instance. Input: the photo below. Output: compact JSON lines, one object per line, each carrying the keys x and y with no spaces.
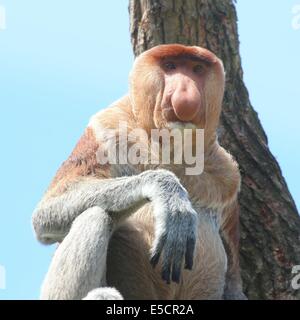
{"x":270,"y":224}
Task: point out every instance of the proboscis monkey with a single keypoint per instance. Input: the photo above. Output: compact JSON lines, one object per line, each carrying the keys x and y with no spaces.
{"x":144,"y":230}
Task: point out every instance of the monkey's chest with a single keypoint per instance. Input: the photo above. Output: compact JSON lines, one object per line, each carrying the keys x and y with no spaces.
{"x":129,"y":270}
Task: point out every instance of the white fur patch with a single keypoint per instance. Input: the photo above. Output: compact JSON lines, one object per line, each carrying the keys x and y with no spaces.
{"x":104,"y":294}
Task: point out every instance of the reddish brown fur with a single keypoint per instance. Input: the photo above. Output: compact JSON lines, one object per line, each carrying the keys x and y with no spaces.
{"x":81,"y":163}
{"x":176,"y":50}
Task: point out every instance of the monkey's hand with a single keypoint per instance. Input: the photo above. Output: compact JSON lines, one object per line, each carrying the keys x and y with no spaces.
{"x":176,"y":225}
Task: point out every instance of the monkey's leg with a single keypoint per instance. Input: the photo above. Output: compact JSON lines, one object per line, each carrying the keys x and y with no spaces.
{"x":79,"y":263}
{"x":230,"y":235}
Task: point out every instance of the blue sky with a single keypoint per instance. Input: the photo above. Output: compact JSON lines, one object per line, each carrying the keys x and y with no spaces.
{"x":61,"y":61}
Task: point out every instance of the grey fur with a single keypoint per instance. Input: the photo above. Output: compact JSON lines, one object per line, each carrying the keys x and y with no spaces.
{"x":94,"y":208}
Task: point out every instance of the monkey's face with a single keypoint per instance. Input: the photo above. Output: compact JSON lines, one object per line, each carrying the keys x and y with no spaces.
{"x":183,"y":95}
{"x":178,"y":85}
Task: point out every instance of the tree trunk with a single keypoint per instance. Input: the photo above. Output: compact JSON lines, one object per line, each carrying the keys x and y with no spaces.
{"x":270,"y":225}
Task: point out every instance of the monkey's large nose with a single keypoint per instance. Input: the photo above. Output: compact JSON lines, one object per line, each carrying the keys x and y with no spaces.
{"x":186,"y":100}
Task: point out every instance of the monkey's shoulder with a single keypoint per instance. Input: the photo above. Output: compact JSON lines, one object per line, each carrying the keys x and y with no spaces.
{"x":218,"y":184}
{"x":117,"y":114}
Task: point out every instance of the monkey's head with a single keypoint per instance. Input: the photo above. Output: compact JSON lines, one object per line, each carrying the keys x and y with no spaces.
{"x":174,"y":85}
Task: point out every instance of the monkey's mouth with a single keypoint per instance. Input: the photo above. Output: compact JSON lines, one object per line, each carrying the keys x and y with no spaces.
{"x":170,"y":116}
{"x":180,"y":125}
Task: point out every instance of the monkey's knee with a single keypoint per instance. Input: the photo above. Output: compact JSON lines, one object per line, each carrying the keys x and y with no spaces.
{"x":93,"y":219}
{"x":104,"y":294}
{"x":79,"y":263}
{"x":45,"y":232}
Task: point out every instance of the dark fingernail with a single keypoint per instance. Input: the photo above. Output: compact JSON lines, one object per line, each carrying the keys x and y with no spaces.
{"x":189,"y":254}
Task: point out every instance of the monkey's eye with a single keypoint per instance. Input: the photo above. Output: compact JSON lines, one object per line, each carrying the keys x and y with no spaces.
{"x":199,"y":68}
{"x":170,"y":65}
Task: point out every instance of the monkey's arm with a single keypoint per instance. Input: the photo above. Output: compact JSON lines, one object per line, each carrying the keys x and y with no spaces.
{"x":230,"y":235}
{"x":54,"y":216}
{"x":174,"y":215}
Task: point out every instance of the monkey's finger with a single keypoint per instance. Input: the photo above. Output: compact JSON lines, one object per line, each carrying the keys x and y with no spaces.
{"x":189,"y":253}
{"x":168,"y":254}
{"x":156,"y":253}
{"x":166,"y":271}
{"x":176,"y":267}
